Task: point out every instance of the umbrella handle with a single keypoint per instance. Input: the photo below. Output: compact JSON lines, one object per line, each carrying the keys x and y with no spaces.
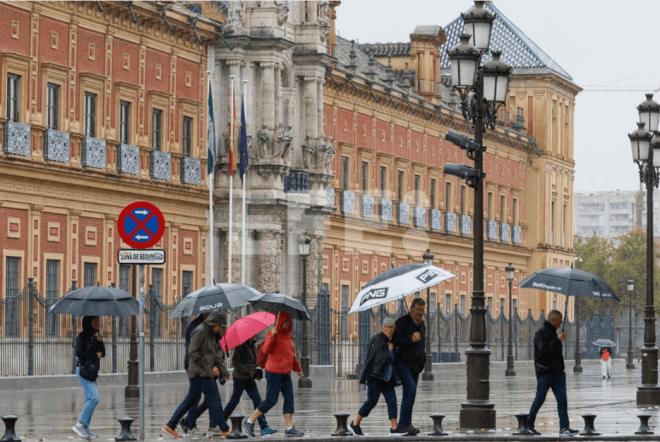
{"x":277,"y":320}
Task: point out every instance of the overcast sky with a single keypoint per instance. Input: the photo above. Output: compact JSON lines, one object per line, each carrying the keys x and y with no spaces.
{"x":598,"y":42}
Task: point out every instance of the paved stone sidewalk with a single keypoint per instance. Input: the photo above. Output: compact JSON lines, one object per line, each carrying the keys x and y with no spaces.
{"x":48,"y":414}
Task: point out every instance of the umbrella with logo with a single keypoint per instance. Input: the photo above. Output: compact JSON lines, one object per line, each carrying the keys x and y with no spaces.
{"x":570,"y":282}
{"x":244,"y":328}
{"x":397,"y":283}
{"x":96,"y":300}
{"x":214,"y":297}
{"x":276,"y":302}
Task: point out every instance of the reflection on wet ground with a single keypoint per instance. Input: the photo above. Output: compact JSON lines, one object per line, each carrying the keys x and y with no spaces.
{"x":50,"y":413}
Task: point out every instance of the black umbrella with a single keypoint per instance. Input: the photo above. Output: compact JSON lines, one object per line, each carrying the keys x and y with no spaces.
{"x":214,"y":297}
{"x":570,"y":282}
{"x":96,"y":301}
{"x":275,"y":302}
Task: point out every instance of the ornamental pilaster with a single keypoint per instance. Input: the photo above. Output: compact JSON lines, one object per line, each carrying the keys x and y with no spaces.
{"x":268,"y":93}
{"x":269,"y":261}
{"x":311,"y":107}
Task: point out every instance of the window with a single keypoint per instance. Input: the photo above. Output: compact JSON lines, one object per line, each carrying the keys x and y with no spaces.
{"x":13,"y":96}
{"x":552,"y":224}
{"x":462,"y":200}
{"x":344,"y":173}
{"x":490,"y":206}
{"x":502,"y":208}
{"x":90,"y":115}
{"x":383,"y":181}
{"x":125,"y":285}
{"x":502,"y":305}
{"x":186,"y":282}
{"x":563,"y":227}
{"x":52,"y":293}
{"x":448,"y":206}
{"x":365,"y":175}
{"x":462,"y":305}
{"x":157,"y":282}
{"x":52,"y":106}
{"x":89,"y":276}
{"x":489,"y":305}
{"x":11,"y":284}
{"x":125,"y":122}
{"x":515,"y":308}
{"x":186,"y":136}
{"x":400,"y":184}
{"x":432,"y":305}
{"x":513,"y":211}
{"x":447,"y":303}
{"x":432,"y":185}
{"x":156,"y":129}
{"x":344,"y":308}
{"x":417,"y":190}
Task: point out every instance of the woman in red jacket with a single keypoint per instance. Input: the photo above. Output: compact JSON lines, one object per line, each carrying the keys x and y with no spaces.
{"x":279,"y":349}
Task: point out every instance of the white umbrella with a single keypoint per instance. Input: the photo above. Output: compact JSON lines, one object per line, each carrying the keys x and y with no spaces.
{"x":398,"y":282}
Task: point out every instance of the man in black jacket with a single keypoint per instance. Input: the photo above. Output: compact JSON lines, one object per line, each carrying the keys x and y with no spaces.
{"x":409,"y":341}
{"x":549,"y":365}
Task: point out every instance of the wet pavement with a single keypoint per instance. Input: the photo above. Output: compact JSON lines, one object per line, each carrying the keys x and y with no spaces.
{"x":48,"y":414}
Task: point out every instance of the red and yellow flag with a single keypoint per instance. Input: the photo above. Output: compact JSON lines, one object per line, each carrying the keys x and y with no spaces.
{"x":233,"y":145}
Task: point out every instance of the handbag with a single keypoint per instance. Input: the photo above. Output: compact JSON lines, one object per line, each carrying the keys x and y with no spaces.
{"x":89,"y":370}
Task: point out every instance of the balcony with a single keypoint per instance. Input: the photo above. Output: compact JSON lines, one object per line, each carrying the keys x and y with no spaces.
{"x":419,"y":217}
{"x":450,"y":222}
{"x":367,"y":203}
{"x":347,"y":203}
{"x":16,"y":138}
{"x":436,"y":219}
{"x":403,"y":213}
{"x":505,"y":232}
{"x":93,"y":153}
{"x":466,"y":227}
{"x":385,"y":210}
{"x":161,"y":165}
{"x":296,"y":182}
{"x":517,"y":234}
{"x":330,"y":197}
{"x":191,"y":170}
{"x":128,"y":159}
{"x":56,"y":146}
{"x":491,"y":230}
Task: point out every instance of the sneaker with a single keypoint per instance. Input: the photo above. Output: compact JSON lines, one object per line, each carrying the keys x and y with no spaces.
{"x":398,"y":432}
{"x":171,"y":432}
{"x":81,"y":431}
{"x":195,"y":431}
{"x":91,"y":433}
{"x":568,"y":432}
{"x":356,"y":429}
{"x":266,"y":431}
{"x":293,"y":432}
{"x":411,"y":430}
{"x":533,"y":432}
{"x":249,"y":427}
{"x":216,"y":431}
{"x":184,"y":425}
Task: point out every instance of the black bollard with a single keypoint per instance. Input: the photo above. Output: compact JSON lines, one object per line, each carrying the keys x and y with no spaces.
{"x":523,"y":429}
{"x":342,"y":425}
{"x":644,"y":424}
{"x":125,"y":433}
{"x":10,"y":435}
{"x":437,"y":425}
{"x":237,"y":427}
{"x":589,"y":429}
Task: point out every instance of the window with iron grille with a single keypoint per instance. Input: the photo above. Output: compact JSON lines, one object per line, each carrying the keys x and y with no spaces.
{"x":125,"y":285}
{"x":432,"y":304}
{"x":90,"y":274}
{"x":156,"y":280}
{"x":13,"y":96}
{"x":462,"y":305}
{"x":187,"y":135}
{"x":52,"y":293}
{"x":447,"y":303}
{"x":90,"y":115}
{"x":125,"y":122}
{"x":417,"y":190}
{"x":11,"y":284}
{"x":513,"y":211}
{"x":156,"y":129}
{"x":344,"y":309}
{"x":344,"y":173}
{"x":432,"y":193}
{"x":365,"y":176}
{"x":52,"y":106}
{"x":186,"y":282}
{"x":383,"y":181}
{"x":462,"y":200}
{"x":448,"y":206}
{"x":400,"y":185}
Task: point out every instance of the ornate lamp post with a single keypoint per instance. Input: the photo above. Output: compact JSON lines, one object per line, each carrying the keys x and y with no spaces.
{"x":303,"y":249}
{"x":428,"y":365}
{"x":482,"y":90}
{"x":510,"y":273}
{"x":631,"y":290}
{"x":646,"y":153}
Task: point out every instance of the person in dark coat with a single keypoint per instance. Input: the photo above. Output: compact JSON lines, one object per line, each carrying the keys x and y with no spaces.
{"x":410,"y":356}
{"x":89,"y":350}
{"x":245,"y":374}
{"x":549,"y":366}
{"x":379,"y":375}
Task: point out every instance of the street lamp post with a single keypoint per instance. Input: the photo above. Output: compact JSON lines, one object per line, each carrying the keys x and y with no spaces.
{"x":428,"y":365}
{"x":510,"y":273}
{"x":303,"y":249}
{"x":631,"y":290}
{"x":482,"y":90}
{"x":646,"y":153}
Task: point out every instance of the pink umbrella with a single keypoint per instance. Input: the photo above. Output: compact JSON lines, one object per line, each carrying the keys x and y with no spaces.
{"x":244,"y":328}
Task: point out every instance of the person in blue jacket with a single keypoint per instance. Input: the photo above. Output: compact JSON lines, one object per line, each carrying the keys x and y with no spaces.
{"x":89,"y":350}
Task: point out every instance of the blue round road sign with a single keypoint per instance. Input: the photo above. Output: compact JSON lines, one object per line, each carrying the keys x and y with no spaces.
{"x":141,"y":225}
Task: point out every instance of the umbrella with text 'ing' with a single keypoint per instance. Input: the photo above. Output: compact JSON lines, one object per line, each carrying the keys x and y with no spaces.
{"x":96,"y":300}
{"x":216,"y":297}
{"x":398,"y":282}
{"x":245,"y":328}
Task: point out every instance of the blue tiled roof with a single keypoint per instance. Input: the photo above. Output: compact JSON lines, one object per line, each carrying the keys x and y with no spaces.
{"x":518,"y":50}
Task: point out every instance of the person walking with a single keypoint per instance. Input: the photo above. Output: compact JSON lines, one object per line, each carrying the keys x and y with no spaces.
{"x":89,"y":351}
{"x":281,"y":353}
{"x":549,"y":366}
{"x":606,"y":362}
{"x":206,"y":361}
{"x":379,"y":375}
{"x":410,"y":355}
{"x":245,"y":375}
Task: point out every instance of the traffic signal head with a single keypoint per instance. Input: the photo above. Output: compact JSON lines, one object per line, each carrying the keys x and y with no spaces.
{"x":464,"y":142}
{"x":469,"y":174}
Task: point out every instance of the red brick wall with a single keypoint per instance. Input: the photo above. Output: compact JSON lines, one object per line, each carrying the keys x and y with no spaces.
{"x":364,"y":131}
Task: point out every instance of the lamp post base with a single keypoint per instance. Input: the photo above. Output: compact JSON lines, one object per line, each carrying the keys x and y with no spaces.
{"x":509,"y":366}
{"x":477,"y":415}
{"x":427,"y":376}
{"x":510,"y":372}
{"x":629,"y":362}
{"x":648,"y":395}
{"x":577,"y":369}
{"x":305,"y":382}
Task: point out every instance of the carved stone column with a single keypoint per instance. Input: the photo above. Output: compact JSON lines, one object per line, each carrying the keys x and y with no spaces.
{"x":269,"y":261}
{"x":311,"y":108}
{"x":278,"y":95}
{"x":268,"y":93}
{"x":236,"y":253}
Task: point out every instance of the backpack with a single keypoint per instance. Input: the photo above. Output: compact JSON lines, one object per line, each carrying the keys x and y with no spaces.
{"x":261,"y":357}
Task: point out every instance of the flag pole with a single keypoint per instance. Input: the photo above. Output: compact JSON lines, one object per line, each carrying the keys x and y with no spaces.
{"x":210,"y":169}
{"x":231,"y":179}
{"x":244,"y":178}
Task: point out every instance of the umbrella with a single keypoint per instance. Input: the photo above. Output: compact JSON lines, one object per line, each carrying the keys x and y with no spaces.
{"x":570,"y":282}
{"x":602,"y":342}
{"x":244,"y":328}
{"x":275,"y":302}
{"x":214,"y":298}
{"x":96,"y":301}
{"x":398,"y":282}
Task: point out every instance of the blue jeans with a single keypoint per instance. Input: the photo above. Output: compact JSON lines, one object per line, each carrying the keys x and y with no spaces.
{"x":250,"y":387}
{"x":276,"y":383}
{"x":91,"y":399}
{"x":374,"y":389}
{"x":409,"y":383}
{"x":558,"y":384}
{"x":210,"y":390}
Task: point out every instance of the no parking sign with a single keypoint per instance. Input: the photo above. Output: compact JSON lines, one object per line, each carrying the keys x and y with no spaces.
{"x":141,"y":224}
